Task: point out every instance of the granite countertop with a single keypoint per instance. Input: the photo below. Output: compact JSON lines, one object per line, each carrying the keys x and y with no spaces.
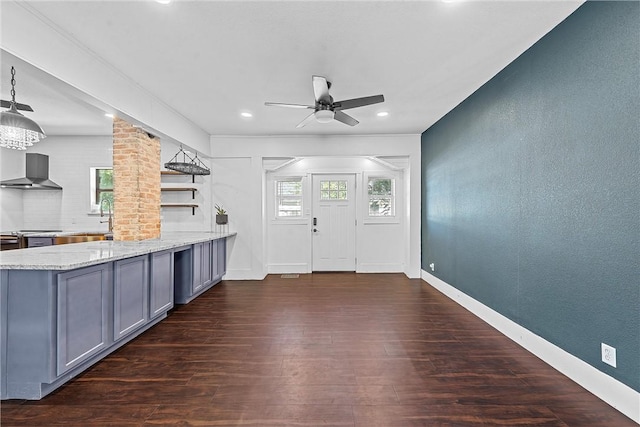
{"x":76,"y":255}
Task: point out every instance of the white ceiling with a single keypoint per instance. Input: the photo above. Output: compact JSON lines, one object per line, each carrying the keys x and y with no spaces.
{"x":212,"y":60}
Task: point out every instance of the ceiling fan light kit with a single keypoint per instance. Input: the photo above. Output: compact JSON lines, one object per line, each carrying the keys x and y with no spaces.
{"x":16,"y":130}
{"x":324,"y":116}
{"x":325,"y":109}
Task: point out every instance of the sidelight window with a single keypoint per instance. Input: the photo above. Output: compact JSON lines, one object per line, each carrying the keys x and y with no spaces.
{"x":289,"y":198}
{"x":381,"y":193}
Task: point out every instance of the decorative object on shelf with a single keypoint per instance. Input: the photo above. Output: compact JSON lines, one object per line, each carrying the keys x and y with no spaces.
{"x":16,"y":130}
{"x":189,"y":165}
{"x":221,"y":215}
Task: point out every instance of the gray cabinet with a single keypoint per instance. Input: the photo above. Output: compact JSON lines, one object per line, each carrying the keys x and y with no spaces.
{"x":201,"y":266}
{"x":197,"y":268}
{"x":34,"y":242}
{"x":130,"y":295}
{"x":220,"y":259}
{"x":55,"y":324}
{"x":83,"y":303}
{"x":161,"y":283}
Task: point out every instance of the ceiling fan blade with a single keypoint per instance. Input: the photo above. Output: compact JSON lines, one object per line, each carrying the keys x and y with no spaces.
{"x":321,"y":90}
{"x":344,"y":118}
{"x":23,"y":107}
{"x":280,"y":104}
{"x":358,"y":102}
{"x":306,"y":121}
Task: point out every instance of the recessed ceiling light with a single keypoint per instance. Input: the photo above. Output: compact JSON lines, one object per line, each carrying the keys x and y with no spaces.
{"x":111,"y":116}
{"x":246,"y":114}
{"x":163,"y":1}
{"x":383,"y":113}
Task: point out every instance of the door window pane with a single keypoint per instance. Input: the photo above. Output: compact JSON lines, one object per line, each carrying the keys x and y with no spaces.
{"x":333,"y":190}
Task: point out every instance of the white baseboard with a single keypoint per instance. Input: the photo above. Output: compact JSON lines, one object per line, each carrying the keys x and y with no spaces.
{"x":289,"y":268}
{"x":620,"y":396}
{"x":379,"y":267}
{"x":243,"y":275}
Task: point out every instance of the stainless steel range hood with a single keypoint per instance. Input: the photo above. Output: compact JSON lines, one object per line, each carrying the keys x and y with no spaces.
{"x":37,"y":175}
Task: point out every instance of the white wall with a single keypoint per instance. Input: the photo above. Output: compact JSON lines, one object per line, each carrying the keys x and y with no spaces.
{"x":12,"y":165}
{"x":240,"y":184}
{"x":237,"y":186}
{"x":181,"y":218}
{"x":70,"y":159}
{"x":379,"y":243}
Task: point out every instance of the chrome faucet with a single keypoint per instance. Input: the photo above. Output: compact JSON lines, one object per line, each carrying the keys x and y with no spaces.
{"x":110,"y":213}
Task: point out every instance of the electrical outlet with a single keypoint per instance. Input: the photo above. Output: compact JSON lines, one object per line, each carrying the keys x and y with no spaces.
{"x":608,"y":354}
{"x":432,"y":266}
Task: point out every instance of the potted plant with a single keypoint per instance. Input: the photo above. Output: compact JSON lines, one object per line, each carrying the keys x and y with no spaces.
{"x":221,"y":215}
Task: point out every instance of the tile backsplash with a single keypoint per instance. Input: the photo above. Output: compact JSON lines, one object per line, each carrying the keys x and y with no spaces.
{"x":70,"y":160}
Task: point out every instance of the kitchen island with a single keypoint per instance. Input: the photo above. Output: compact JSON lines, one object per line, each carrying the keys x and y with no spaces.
{"x":63,"y":308}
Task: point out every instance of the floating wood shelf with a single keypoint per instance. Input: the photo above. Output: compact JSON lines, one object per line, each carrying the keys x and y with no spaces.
{"x":180,"y":205}
{"x":177,"y":188}
{"x":193,"y":177}
{"x":192,"y":189}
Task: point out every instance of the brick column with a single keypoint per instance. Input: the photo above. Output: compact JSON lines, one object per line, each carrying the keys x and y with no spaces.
{"x":136,"y":177}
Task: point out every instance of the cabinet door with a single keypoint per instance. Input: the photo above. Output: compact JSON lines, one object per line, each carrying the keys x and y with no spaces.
{"x":214,"y":260}
{"x":196,"y":256}
{"x":161,"y":283}
{"x":201,"y":266}
{"x":206,"y":264}
{"x":131,"y":295}
{"x":222,"y":256}
{"x":83,"y":314}
{"x":34,"y":242}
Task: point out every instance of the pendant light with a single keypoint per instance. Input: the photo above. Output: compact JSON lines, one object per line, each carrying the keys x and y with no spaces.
{"x":17,"y":131}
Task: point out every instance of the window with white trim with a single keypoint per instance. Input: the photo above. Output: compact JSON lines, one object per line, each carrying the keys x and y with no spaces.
{"x":289,"y":198}
{"x":381,"y":197}
{"x":101,"y":187}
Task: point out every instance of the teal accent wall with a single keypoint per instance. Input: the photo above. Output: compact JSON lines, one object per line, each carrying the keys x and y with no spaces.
{"x":530,"y":189}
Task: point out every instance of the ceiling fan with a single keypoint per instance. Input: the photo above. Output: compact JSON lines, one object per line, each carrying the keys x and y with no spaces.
{"x":325,"y":109}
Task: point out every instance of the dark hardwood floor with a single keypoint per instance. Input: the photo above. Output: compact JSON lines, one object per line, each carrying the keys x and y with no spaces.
{"x":320,"y":350}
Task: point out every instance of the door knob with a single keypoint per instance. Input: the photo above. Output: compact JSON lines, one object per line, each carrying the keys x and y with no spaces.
{"x":315,"y":230}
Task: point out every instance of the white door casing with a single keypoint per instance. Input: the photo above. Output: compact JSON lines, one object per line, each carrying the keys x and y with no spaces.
{"x":334,"y":222}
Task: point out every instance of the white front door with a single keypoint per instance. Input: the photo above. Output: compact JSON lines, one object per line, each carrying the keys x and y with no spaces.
{"x":334,"y":222}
